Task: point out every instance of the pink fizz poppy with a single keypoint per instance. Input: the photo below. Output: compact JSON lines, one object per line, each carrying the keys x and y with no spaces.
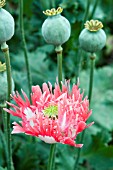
{"x":54,"y":115}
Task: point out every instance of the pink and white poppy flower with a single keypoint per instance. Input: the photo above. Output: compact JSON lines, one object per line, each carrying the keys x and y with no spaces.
{"x":57,"y":116}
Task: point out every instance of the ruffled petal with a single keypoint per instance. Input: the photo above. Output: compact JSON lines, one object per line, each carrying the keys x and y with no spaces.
{"x":17,"y":128}
{"x":71,"y":142}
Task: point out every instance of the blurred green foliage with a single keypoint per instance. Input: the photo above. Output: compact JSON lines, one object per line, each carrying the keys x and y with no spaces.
{"x":97,"y":153}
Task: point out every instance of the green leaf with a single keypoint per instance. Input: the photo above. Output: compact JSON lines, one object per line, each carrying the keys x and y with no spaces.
{"x":96,"y":152}
{"x":1,"y":168}
{"x":101,"y":103}
{"x":64,"y":157}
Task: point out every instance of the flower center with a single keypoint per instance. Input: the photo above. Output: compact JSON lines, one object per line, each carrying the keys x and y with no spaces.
{"x":2,"y":3}
{"x":51,"y":111}
{"x":93,"y":25}
{"x":53,"y":11}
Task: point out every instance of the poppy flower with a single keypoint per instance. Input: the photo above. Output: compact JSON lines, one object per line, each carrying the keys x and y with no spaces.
{"x":54,"y":115}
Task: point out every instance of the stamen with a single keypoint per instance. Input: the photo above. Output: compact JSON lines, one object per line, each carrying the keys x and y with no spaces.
{"x":51,"y":111}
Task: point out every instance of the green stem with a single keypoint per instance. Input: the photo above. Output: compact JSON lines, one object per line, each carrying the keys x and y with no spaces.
{"x":92,"y":59}
{"x":25,"y":48}
{"x":52,"y":2}
{"x":79,"y":55}
{"x":59,"y":55}
{"x":4,"y":117}
{"x":51,"y":157}
{"x":5,"y":50}
{"x":58,"y":50}
{"x":3,"y":139}
{"x":86,"y":13}
{"x":59,"y":63}
{"x":94,"y":9}
{"x":78,"y":65}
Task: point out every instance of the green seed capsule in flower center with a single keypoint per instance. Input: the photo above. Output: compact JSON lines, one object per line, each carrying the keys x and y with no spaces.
{"x":51,"y":111}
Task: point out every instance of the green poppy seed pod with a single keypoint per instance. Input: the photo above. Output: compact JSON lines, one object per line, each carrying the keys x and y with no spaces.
{"x":6,"y":24}
{"x":92,"y":38}
{"x":56,"y":29}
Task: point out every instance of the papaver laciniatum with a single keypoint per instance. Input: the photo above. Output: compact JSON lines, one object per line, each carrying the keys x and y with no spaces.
{"x":57,"y":116}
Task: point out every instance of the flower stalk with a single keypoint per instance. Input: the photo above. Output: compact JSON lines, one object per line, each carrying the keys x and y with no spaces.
{"x":25,"y":48}
{"x":51,"y":157}
{"x":4,"y":142}
{"x":79,"y":54}
{"x":5,"y":49}
{"x":4,"y":117}
{"x":58,"y":50}
{"x":94,"y":9}
{"x":52,"y":3}
{"x":86,"y":13}
{"x":92,"y":63}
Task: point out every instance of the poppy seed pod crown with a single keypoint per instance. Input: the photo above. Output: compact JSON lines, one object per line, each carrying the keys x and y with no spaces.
{"x":92,"y":38}
{"x":56,"y":29}
{"x":6,"y":24}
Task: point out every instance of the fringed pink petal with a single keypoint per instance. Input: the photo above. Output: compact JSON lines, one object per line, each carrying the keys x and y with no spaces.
{"x":57,"y":91}
{"x":20,"y":102}
{"x":90,"y":124}
{"x":71,"y":142}
{"x":89,"y":114}
{"x":45,"y":88}
{"x":50,"y":87}
{"x":80,"y":127}
{"x":26,"y":98}
{"x":17,"y":128}
{"x":36,"y":94}
{"x":14,"y":113}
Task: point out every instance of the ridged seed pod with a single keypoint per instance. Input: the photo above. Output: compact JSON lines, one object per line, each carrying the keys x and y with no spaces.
{"x":6,"y":24}
{"x":56,"y":29}
{"x":92,"y":38}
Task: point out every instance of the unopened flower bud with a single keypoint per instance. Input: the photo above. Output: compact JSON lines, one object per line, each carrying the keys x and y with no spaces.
{"x":6,"y":24}
{"x":56,"y":29}
{"x":92,"y":38}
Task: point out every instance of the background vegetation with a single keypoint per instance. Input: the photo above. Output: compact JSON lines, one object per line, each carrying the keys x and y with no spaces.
{"x":97,"y":153}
